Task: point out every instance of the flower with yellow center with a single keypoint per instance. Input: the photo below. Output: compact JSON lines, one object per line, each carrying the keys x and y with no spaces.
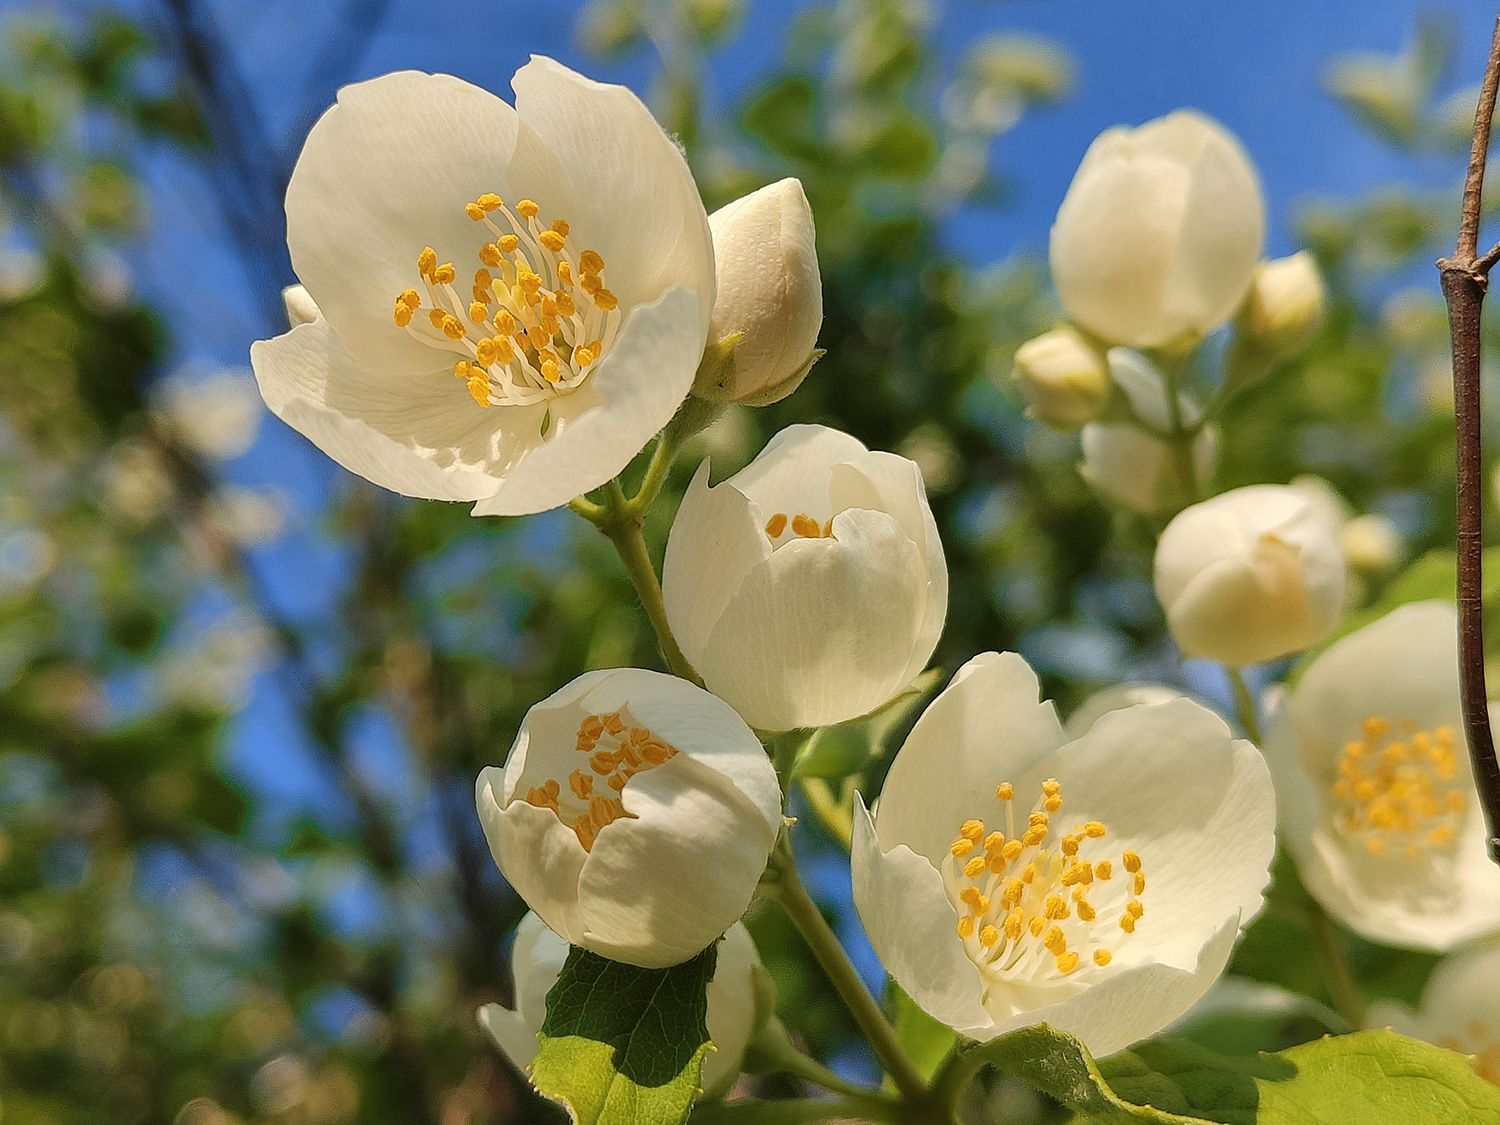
{"x":537,"y":959}
{"x":507,"y":303}
{"x":1460,"y":1009}
{"x":1377,"y":797}
{"x":634,"y":813}
{"x":1011,"y":877}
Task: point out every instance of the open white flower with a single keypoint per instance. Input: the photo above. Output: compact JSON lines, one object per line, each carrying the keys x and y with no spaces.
{"x":537,"y":959}
{"x":1010,"y":877}
{"x":634,"y":814}
{"x":1160,"y":231}
{"x":810,"y":587}
{"x":1250,"y":575}
{"x":1377,"y":796}
{"x":1460,"y":1009}
{"x":555,"y":257}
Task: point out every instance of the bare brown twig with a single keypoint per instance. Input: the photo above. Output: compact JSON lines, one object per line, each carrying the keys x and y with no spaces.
{"x":1465,"y":277}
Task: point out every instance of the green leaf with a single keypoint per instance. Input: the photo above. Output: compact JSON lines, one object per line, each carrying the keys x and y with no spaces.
{"x":621,"y":1044}
{"x":1367,"y":1078}
{"x":835,"y":752}
{"x":925,"y":1040}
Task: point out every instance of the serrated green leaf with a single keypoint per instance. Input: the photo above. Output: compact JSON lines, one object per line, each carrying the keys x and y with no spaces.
{"x":623,"y":1045}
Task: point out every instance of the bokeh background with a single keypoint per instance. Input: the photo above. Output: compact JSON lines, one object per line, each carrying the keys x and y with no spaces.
{"x":244,"y":695}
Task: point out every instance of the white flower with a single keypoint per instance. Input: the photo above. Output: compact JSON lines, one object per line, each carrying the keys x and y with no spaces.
{"x":536,"y":961}
{"x":1377,"y":796}
{"x":1132,"y":466}
{"x":300,"y":307}
{"x":634,"y":813}
{"x":1064,"y":378}
{"x":1159,"y":233}
{"x":810,"y":587}
{"x":1250,"y":575}
{"x":575,"y":338}
{"x":1285,"y":305}
{"x":1010,"y":877}
{"x":769,"y":289}
{"x":1101,"y":703}
{"x":1460,"y":1009}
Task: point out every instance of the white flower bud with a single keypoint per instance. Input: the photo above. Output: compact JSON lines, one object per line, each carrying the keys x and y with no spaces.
{"x":1285,"y":305}
{"x":300,"y":307}
{"x":634,"y":813}
{"x":810,"y":587}
{"x":536,"y":961}
{"x":769,"y":292}
{"x":1159,"y":233}
{"x":1132,"y":467}
{"x":1064,"y":378}
{"x":1249,"y":575}
{"x":1371,"y":544}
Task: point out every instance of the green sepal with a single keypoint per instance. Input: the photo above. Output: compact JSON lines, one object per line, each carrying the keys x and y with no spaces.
{"x":622,"y":1045}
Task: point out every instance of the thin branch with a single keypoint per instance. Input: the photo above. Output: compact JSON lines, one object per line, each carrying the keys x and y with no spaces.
{"x":1465,"y":278}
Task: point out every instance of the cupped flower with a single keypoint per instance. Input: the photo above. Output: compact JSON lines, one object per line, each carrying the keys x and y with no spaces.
{"x":1011,"y":877}
{"x":1158,"y":236}
{"x":634,"y":814}
{"x":1377,"y":796}
{"x":1460,"y":1009}
{"x":554,"y":257}
{"x":536,"y":962}
{"x":1285,"y":305}
{"x":1250,"y":575}
{"x":810,"y":587}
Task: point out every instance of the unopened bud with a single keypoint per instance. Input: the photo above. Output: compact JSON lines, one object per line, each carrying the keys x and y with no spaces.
{"x":770,"y":296}
{"x":1371,"y":544}
{"x":300,"y":307}
{"x":1063,"y":377}
{"x":1285,"y":305}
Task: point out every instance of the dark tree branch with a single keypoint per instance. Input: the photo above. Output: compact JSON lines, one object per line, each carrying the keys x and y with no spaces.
{"x":1465,"y":277}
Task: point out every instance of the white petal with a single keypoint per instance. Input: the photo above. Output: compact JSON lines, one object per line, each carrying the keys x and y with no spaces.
{"x":888,"y":483}
{"x":794,"y":471}
{"x":536,"y":959}
{"x":823,"y":630}
{"x":511,"y":1033}
{"x":617,"y":154}
{"x":1167,"y":781}
{"x":657,"y":890}
{"x":538,"y":856}
{"x":715,"y":540}
{"x":731,"y":1008}
{"x":911,"y":926}
{"x":634,"y":392}
{"x":419,"y":435}
{"x":1110,"y":699}
{"x":1134,"y":1003}
{"x":986,"y":727}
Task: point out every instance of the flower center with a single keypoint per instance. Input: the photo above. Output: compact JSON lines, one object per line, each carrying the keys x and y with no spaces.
{"x":802,"y":526}
{"x":1482,"y":1044}
{"x":1399,"y":797}
{"x":616,"y":753}
{"x":539,"y":318}
{"x":1024,"y":901}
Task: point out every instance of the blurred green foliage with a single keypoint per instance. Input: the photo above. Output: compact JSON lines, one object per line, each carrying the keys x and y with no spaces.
{"x":202,"y":1006}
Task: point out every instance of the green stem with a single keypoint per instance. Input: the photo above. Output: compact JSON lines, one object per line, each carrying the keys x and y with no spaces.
{"x":1181,"y":439}
{"x":1244,"y":705}
{"x":815,"y":930}
{"x":777,"y":1055}
{"x":667,"y":444}
{"x":954,"y":1077}
{"x":1341,"y":986}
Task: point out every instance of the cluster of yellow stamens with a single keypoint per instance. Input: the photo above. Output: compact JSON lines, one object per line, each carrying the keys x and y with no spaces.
{"x":616,"y":753}
{"x":539,"y":317}
{"x":1482,"y":1045}
{"x":1397,"y":794}
{"x":803,"y":526}
{"x":1025,"y":896}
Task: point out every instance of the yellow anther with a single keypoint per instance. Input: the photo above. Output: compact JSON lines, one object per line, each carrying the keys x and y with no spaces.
{"x":426,"y":262}
{"x":527,"y":209}
{"x":805,"y":526}
{"x":463,"y":369}
{"x":1375,"y":727}
{"x":565,"y":304}
{"x":505,"y":324}
{"x":1127,"y":923}
{"x":1029,"y":874}
{"x":583,"y":356}
{"x":1455,"y":802}
{"x":489,"y":254}
{"x":1070,"y":844}
{"x":776,"y":525}
{"x":612,"y":722}
{"x":1051,"y":787}
{"x":410,"y":298}
{"x":1102,"y":957}
{"x":551,"y":240}
{"x":489,"y":201}
{"x":960,"y":848}
{"x":617,"y":781}
{"x":1055,"y":942}
{"x":560,"y":226}
{"x":1034,"y":835}
{"x":1052,"y":804}
{"x":994,"y":842}
{"x":997,"y":865}
{"x":453,"y":328}
{"x":972,"y":830}
{"x":1067,"y":962}
{"x":975,"y":866}
{"x":550,"y":370}
{"x":1056,"y":908}
{"x":1005,"y":791}
{"x":1073,"y":875}
{"x":1375,"y":845}
{"x":969,"y":896}
{"x":474,"y":211}
{"x":1094,"y":830}
{"x":1038,"y":818}
{"x":479,"y":389}
{"x":478,"y":312}
{"x":1085,"y":910}
{"x":1440,"y":835}
{"x":1134,"y":909}
{"x":444,"y":274}
{"x":507,"y":243}
{"x":583,"y":828}
{"x":591,"y":727}
{"x":402,"y":315}
{"x":437,"y":316}
{"x":582,"y":784}
{"x":1015,"y":891}
{"x":1444,"y":736}
{"x":1104,"y":869}
{"x":565,"y":272}
{"x":1139,"y":883}
{"x":989,"y":936}
{"x":541,"y":798}
{"x":1015,"y":923}
{"x":590,"y":262}
{"x":1037,"y":925}
{"x":1131,"y":861}
{"x":966,"y":926}
{"x":1012,"y":849}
